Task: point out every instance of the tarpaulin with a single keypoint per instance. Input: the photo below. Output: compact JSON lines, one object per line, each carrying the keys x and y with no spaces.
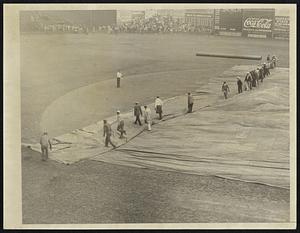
{"x":245,"y":137}
{"x":88,"y":142}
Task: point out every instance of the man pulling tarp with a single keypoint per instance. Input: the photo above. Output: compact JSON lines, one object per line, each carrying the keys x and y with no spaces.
{"x":120,"y":125}
{"x":225,"y":89}
{"x":45,"y":145}
{"x":107,"y":132}
{"x":158,"y":107}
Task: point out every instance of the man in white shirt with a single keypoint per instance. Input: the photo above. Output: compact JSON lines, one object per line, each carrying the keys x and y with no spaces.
{"x":190,"y":102}
{"x":147,"y":116}
{"x":274,"y":60}
{"x":119,"y":76}
{"x":158,"y":106}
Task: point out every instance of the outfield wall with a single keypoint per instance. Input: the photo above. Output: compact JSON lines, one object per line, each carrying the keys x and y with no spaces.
{"x":257,"y":23}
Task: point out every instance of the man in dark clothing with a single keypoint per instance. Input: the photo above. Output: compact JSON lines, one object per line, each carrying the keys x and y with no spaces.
{"x":190,"y":102}
{"x":262,"y":72}
{"x":45,"y":145}
{"x":253,"y":75}
{"x":107,"y":133}
{"x":137,"y":110}
{"x":158,"y":104}
{"x":261,"y":75}
{"x":266,"y":70}
{"x":240,"y":85}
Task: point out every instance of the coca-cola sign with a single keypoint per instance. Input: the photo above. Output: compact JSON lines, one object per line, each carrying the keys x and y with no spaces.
{"x":259,"y":23}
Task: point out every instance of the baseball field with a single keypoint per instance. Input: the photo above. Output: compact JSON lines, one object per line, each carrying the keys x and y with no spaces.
{"x":69,"y":81}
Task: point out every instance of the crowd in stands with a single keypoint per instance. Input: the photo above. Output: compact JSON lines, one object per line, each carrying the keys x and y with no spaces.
{"x":154,"y":24}
{"x":160,"y":24}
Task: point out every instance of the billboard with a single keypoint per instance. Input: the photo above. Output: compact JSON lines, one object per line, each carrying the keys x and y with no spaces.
{"x":200,"y":17}
{"x":281,"y":27}
{"x":258,"y":22}
{"x":228,"y":20}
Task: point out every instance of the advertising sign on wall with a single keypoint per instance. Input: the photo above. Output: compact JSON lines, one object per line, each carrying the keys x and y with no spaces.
{"x":281,"y":27}
{"x":258,"y":22}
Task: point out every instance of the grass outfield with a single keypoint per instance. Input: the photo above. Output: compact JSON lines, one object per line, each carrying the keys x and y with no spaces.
{"x":54,"y":65}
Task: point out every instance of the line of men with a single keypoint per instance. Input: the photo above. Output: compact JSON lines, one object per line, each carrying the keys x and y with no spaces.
{"x":138,"y":113}
{"x":45,"y":141}
{"x":251,"y":80}
{"x":252,"y":77}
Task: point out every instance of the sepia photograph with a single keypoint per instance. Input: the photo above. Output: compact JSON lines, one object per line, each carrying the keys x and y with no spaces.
{"x":150,"y":115}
